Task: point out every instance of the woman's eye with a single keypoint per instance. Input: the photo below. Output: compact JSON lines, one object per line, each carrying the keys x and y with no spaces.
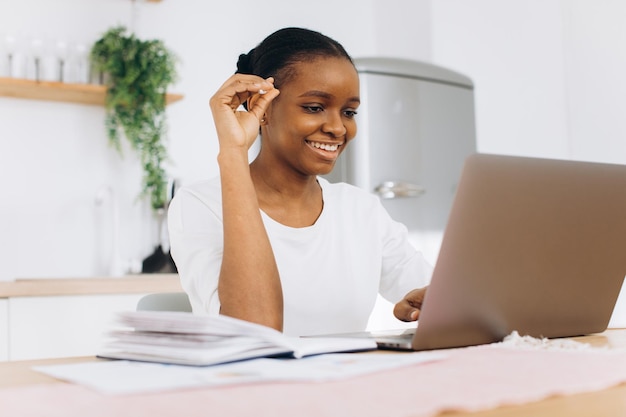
{"x":313,"y":109}
{"x":350,"y":113}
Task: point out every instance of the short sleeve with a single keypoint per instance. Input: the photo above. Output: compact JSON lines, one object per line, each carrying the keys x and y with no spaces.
{"x":196,"y":240}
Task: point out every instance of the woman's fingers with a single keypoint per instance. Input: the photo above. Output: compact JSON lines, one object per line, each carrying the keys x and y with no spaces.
{"x":408,"y":309}
{"x":240,"y":88}
{"x":259,"y":102}
{"x":236,"y":127}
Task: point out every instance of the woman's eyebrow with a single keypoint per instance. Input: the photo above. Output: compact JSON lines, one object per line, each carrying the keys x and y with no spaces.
{"x":316,"y":93}
{"x":325,"y":95}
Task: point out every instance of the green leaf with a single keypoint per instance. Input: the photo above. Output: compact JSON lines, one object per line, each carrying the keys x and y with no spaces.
{"x":138,"y":74}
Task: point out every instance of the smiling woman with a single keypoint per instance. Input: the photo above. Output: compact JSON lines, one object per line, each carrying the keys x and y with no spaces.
{"x":270,"y":241}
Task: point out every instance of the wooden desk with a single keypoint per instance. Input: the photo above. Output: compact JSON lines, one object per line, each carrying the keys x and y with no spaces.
{"x":608,"y":402}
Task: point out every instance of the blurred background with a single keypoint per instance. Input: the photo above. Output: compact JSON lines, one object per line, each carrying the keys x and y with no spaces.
{"x":548,"y":81}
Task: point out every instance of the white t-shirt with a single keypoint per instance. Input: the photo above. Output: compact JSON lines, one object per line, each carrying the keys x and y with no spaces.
{"x":331,"y":272}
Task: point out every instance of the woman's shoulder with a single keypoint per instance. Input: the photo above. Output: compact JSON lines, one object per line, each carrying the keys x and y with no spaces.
{"x":208,"y":191}
{"x":201,"y":187}
{"x":195,"y":207}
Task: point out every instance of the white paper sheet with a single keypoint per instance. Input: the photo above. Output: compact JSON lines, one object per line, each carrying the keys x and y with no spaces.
{"x":127,"y":377}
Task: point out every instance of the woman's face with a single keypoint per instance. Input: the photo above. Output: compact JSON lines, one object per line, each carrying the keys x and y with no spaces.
{"x":312,"y":120}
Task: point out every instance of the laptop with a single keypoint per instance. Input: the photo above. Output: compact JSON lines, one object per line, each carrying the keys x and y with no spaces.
{"x":532,"y":245}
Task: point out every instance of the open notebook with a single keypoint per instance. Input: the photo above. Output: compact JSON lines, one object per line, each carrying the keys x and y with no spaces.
{"x":183,"y":338}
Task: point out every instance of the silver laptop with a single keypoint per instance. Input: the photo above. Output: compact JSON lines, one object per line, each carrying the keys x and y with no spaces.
{"x":532,"y":245}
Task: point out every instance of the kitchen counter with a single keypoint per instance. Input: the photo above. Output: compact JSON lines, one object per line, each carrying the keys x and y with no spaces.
{"x":129,"y":284}
{"x":62,"y":317}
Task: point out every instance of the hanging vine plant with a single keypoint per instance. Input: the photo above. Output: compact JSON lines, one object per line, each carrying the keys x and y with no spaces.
{"x":137,"y":75}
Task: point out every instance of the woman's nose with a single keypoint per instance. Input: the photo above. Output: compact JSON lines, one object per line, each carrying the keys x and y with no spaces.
{"x":334,"y":125}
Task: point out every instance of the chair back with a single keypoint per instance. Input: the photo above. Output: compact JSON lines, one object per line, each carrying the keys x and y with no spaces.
{"x":167,"y":301}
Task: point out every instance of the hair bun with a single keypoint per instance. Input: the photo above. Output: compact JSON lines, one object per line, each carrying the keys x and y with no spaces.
{"x":243,"y":64}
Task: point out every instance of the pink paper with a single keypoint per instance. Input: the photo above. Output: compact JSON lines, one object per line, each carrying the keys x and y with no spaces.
{"x":470,"y":379}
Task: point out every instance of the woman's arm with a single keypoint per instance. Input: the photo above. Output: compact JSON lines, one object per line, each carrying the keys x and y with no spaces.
{"x":249,"y":284}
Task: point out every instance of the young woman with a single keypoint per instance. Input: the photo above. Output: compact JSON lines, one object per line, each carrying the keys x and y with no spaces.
{"x":270,"y":241}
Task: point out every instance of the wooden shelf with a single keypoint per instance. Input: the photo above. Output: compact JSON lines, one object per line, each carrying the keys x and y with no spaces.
{"x":55,"y":91}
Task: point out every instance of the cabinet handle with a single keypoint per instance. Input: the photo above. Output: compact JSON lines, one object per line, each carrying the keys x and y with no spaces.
{"x":398,"y":189}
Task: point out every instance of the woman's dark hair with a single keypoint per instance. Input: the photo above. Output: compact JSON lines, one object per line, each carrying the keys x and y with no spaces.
{"x":275,"y":56}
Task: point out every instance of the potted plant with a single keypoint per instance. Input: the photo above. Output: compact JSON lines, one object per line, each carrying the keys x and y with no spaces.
{"x":137,"y":74}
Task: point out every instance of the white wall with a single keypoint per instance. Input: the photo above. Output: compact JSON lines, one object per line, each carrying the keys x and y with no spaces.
{"x":595,"y":58}
{"x":513,"y":50}
{"x":549,"y":74}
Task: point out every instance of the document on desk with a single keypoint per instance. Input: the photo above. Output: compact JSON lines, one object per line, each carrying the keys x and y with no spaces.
{"x":188,"y":339}
{"x":128,"y":377}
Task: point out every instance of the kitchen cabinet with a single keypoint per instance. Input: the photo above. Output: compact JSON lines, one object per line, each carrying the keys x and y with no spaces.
{"x":62,"y":326}
{"x":46,"y":318}
{"x":61,"y":92}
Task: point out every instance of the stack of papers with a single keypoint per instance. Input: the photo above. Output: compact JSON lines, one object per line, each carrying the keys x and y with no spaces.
{"x":188,"y":339}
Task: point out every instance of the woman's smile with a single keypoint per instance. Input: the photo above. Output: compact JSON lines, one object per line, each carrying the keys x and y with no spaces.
{"x":327,"y":151}
{"x":330,"y":147}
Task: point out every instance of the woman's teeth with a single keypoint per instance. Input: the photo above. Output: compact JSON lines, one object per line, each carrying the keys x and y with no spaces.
{"x":324,"y":146}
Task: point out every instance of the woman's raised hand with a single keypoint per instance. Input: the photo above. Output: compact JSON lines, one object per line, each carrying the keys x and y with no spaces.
{"x":237,"y":127}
